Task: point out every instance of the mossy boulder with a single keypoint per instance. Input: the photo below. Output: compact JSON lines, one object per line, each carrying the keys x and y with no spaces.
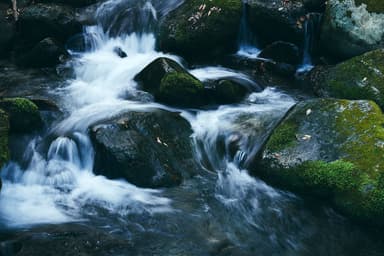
{"x":182,"y":89}
{"x":277,"y":20}
{"x":23,"y":114}
{"x":333,"y":149}
{"x":170,"y":83}
{"x":225,"y":91}
{"x":201,"y":28}
{"x":361,"y":77}
{"x":352,"y":27}
{"x":149,"y":149}
{"x":4,"y":129}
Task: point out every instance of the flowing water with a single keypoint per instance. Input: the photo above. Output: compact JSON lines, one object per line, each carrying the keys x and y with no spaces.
{"x":220,"y":211}
{"x":247,"y":40}
{"x":311,"y":29}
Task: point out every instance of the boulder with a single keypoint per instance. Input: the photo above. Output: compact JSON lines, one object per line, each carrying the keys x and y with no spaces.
{"x":40,"y":21}
{"x":170,"y":83}
{"x":74,"y":3}
{"x":201,"y":28}
{"x":148,"y":149}
{"x":119,"y":52}
{"x":278,"y":20}
{"x":47,"y":53}
{"x":7,"y":34}
{"x":23,"y":114}
{"x":282,"y":52}
{"x":361,"y":77}
{"x":225,"y":91}
{"x":332,"y":149}
{"x":351,"y":28}
{"x":315,"y":5}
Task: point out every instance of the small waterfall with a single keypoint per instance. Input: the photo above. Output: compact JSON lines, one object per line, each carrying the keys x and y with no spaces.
{"x":247,"y":40}
{"x":311,"y":31}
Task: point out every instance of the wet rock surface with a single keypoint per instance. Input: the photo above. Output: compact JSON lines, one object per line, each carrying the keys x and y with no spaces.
{"x":149,"y":149}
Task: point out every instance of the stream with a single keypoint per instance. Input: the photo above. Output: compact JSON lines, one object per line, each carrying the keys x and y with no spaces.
{"x":52,"y":200}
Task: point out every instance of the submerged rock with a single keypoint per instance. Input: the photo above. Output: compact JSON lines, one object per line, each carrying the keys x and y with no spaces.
{"x":148,"y":149}
{"x":23,"y":114}
{"x":201,"y":28}
{"x":351,"y":28}
{"x":170,"y":83}
{"x":361,"y":77}
{"x":67,"y":239}
{"x":332,"y":149}
{"x":119,"y":52}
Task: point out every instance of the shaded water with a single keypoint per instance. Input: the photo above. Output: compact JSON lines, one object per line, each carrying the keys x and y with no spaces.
{"x":220,"y":211}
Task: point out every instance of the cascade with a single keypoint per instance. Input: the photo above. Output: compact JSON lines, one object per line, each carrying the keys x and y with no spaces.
{"x":247,"y":40}
{"x":222,"y":210}
{"x":311,"y":31}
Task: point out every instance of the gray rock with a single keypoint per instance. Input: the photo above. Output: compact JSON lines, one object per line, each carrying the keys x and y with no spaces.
{"x":149,"y":149}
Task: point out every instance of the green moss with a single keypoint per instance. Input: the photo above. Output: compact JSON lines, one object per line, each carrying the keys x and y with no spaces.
{"x":342,"y":160}
{"x":283,"y":137}
{"x":180,"y":88}
{"x":372,"y":5}
{"x":336,"y":176}
{"x":20,"y":105}
{"x":23,"y":114}
{"x":361,"y":126}
{"x":361,"y":77}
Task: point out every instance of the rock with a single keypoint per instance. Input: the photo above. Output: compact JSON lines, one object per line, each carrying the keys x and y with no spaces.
{"x":225,"y":91}
{"x":148,"y":149}
{"x":47,"y":53}
{"x":170,"y":83}
{"x":45,"y":104}
{"x":74,"y":3}
{"x":4,"y":129}
{"x":278,"y":20}
{"x":29,"y":83}
{"x":23,"y":114}
{"x":361,"y":77}
{"x":7,"y":35}
{"x":201,"y":29}
{"x":119,"y":52}
{"x":315,"y":5}
{"x":333,"y":149}
{"x":40,"y":21}
{"x":181,"y":89}
{"x":68,"y":239}
{"x":351,"y":29}
{"x":282,"y":52}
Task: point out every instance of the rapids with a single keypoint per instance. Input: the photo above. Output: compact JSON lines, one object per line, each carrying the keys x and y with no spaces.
{"x":221,"y":211}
